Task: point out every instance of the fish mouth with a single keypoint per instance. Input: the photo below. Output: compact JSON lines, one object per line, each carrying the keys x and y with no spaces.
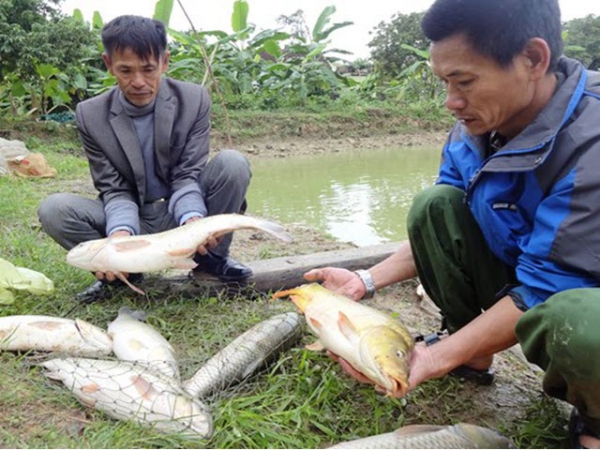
{"x":82,"y":256}
{"x":385,"y":353}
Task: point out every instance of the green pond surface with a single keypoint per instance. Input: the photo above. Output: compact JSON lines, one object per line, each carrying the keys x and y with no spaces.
{"x":361,"y":197}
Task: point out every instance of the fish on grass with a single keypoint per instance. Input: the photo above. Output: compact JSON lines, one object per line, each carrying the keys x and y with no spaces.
{"x":160,"y":251}
{"x":246,"y":354}
{"x":136,"y":341}
{"x":132,"y":392}
{"x":462,"y":435}
{"x":53,"y":334}
{"x":372,"y":341}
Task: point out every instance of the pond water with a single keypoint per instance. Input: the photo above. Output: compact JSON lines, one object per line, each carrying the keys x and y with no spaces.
{"x":361,"y":197}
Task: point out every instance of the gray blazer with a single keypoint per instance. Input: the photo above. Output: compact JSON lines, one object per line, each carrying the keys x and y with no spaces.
{"x":181,"y":137}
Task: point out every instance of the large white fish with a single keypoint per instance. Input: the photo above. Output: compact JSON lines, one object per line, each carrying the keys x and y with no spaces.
{"x":160,"y":251}
{"x":137,"y":341}
{"x":129,"y":391}
{"x":373,"y":342}
{"x":53,"y":334}
{"x":462,"y":435}
{"x":246,"y":354}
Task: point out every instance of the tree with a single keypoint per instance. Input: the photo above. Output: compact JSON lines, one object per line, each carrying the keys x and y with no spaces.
{"x":389,"y":56}
{"x":34,"y":31}
{"x":582,"y":40}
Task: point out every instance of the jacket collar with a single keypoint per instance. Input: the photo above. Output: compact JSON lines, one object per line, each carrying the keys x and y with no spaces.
{"x":532,"y":143}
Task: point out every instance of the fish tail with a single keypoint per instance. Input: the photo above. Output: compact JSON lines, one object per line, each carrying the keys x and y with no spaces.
{"x":274,"y":229}
{"x":285,"y":293}
{"x":296,"y":295}
{"x":136,"y":314}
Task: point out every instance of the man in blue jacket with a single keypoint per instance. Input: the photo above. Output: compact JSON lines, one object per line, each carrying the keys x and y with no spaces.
{"x":507,"y":243}
{"x":147,"y":143}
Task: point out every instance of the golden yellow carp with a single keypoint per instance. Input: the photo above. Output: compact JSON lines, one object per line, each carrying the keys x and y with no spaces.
{"x":373,"y":342}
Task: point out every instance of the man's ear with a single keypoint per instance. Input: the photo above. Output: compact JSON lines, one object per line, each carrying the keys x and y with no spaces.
{"x":166,"y":57}
{"x":107,"y":61}
{"x":537,"y":54}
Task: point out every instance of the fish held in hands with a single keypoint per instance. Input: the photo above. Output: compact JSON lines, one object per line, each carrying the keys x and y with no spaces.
{"x":174,"y":248}
{"x":53,"y":334}
{"x":371,"y":341}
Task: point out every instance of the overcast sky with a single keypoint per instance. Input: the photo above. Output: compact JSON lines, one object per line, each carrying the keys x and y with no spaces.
{"x":216,"y":14}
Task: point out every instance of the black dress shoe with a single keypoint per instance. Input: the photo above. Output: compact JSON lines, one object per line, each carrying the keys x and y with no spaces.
{"x":103,"y":290}
{"x":224,"y":268}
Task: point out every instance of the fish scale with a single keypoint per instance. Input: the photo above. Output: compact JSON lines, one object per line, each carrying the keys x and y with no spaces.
{"x":462,"y":435}
{"x":245,"y":354}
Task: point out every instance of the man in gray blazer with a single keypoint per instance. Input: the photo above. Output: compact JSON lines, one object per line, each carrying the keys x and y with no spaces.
{"x":147,"y":142}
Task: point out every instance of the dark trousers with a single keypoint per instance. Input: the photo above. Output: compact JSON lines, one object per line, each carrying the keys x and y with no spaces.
{"x":71,"y":219}
{"x":463,"y":277}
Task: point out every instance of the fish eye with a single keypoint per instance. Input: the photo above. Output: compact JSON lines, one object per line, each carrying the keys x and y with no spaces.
{"x":400,"y":354}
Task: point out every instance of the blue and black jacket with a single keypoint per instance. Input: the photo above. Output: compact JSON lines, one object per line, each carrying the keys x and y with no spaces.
{"x":537,"y":200}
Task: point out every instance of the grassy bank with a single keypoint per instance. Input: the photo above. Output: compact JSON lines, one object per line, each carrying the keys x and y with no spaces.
{"x":301,"y":401}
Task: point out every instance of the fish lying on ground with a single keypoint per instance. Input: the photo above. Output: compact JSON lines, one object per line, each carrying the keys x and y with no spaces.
{"x":53,"y":334}
{"x":462,"y":435}
{"x":373,"y":342}
{"x":170,"y":249}
{"x":247,"y":353}
{"x":128,"y":391}
{"x":137,"y":341}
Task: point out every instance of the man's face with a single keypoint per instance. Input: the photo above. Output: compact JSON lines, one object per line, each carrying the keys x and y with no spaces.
{"x":138,"y":79}
{"x":482,"y":95}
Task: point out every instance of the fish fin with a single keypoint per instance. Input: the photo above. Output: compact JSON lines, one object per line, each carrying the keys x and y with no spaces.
{"x":120,"y":276}
{"x":316,"y":346}
{"x":285,"y":293}
{"x":418,"y":429}
{"x":144,"y":387}
{"x":136,"y":314}
{"x":347,"y":327}
{"x":90,"y":388}
{"x":129,"y":246}
{"x":184,"y":264}
{"x":178,"y":253}
{"x":318,"y":325}
{"x":296,"y":295}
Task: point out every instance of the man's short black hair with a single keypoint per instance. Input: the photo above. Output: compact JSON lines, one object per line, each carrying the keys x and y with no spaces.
{"x":498,"y":29}
{"x":147,"y":38}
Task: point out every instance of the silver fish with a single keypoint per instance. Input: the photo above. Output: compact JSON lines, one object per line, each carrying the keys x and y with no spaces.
{"x":246,"y":354}
{"x":137,"y":341}
{"x":462,"y":435}
{"x":160,"y":251}
{"x":53,"y":334}
{"x":127,"y":391}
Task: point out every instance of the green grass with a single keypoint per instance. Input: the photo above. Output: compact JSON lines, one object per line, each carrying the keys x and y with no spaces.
{"x":301,"y":401}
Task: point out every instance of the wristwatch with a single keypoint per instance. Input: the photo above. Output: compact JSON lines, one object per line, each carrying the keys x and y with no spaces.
{"x":367,"y":280}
